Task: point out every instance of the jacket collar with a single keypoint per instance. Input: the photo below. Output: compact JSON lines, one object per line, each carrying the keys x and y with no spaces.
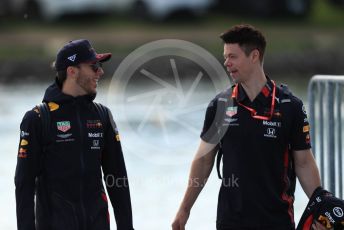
{"x":54,"y":94}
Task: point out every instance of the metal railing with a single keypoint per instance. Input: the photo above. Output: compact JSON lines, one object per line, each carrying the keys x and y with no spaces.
{"x":326,"y":116}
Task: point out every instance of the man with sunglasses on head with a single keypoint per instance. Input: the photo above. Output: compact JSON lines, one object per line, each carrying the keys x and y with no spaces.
{"x":261,"y":133}
{"x":59,"y":172}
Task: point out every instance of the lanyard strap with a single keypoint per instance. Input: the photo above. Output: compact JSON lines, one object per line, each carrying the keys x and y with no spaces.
{"x":253,"y":111}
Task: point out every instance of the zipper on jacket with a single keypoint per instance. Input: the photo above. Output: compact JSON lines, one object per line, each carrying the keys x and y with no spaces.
{"x":82,"y":163}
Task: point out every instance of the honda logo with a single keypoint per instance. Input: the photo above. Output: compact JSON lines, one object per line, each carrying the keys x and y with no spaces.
{"x":271,"y":131}
{"x":95,"y":142}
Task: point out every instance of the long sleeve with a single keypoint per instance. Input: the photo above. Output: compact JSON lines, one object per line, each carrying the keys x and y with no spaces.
{"x":116,"y":180}
{"x":27,"y":168}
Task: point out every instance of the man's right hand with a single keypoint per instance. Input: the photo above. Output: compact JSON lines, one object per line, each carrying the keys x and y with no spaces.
{"x":180,"y":220}
{"x":200,"y":170}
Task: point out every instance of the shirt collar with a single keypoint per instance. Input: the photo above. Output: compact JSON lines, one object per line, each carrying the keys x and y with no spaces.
{"x":264,"y":96}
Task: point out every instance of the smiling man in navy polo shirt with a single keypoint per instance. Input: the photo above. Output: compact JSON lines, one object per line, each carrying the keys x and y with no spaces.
{"x":261,"y":132}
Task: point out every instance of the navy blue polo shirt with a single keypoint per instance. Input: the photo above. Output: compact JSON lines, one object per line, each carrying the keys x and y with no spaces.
{"x":258,"y":182}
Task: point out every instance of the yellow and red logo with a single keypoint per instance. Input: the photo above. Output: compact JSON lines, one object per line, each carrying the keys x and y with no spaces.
{"x":53,"y":106}
{"x":24,"y":142}
{"x":306,"y":128}
{"x":325,"y":221}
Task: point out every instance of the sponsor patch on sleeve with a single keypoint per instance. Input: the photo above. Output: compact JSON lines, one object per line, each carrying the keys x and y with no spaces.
{"x":53,"y":106}
{"x":24,"y":134}
{"x":305,"y":128}
{"x":308,"y":139}
{"x":24,"y":142}
{"x":22,"y":153}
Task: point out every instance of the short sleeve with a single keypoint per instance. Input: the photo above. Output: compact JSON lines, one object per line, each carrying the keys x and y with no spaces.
{"x":209,"y":132}
{"x":300,"y":139}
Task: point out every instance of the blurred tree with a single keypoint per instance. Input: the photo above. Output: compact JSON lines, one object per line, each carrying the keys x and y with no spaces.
{"x":267,"y":8}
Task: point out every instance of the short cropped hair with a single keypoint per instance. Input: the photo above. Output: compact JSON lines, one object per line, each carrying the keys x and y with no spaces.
{"x":247,"y":37}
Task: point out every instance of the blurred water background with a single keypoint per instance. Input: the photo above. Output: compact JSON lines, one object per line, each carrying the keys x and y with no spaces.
{"x":158,"y":148}
{"x":157,"y":179}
